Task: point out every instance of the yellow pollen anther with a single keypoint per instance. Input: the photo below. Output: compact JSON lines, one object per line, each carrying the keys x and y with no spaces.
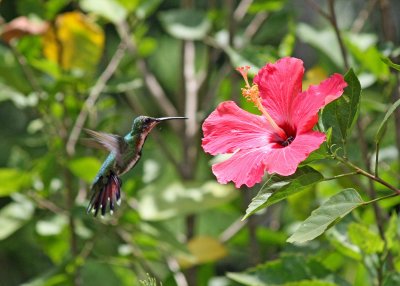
{"x":252,"y":94}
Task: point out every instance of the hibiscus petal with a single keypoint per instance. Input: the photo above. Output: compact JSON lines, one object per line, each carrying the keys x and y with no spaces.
{"x":284,"y":161}
{"x":278,"y":84}
{"x":245,"y":167}
{"x":307,"y":104}
{"x":230,"y":128}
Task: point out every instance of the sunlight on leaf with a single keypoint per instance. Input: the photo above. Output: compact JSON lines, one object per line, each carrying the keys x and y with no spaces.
{"x":203,"y":249}
{"x":15,"y":215}
{"x":158,"y":203}
{"x":324,"y":40}
{"x":363,"y":48}
{"x":391,"y":233}
{"x":74,"y":42}
{"x":314,"y":76}
{"x":112,"y":10}
{"x":327,"y":214}
{"x":186,"y":24}
{"x":85,"y":168}
{"x":11,"y":181}
{"x":52,"y":226}
{"x":368,"y":241}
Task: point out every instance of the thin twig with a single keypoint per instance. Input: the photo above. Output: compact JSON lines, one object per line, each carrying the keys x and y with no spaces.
{"x":232,"y":230}
{"x":191,"y":106}
{"x":28,"y":72}
{"x":93,"y":96}
{"x":341,"y":176}
{"x":368,"y":175}
{"x":337,"y":32}
{"x":319,"y":10}
{"x":179,"y":277}
{"x":255,"y":24}
{"x":363,"y":16}
{"x":126,"y":236}
{"x":150,"y":80}
{"x":46,"y":204}
{"x":241,"y":10}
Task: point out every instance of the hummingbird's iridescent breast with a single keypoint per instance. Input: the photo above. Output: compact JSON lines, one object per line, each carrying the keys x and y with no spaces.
{"x":131,"y":156}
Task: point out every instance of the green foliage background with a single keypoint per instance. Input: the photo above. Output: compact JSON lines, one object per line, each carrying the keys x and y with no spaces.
{"x":98,"y":64}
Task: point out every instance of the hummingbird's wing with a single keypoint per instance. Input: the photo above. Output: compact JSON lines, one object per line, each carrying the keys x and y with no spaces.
{"x":113,"y":143}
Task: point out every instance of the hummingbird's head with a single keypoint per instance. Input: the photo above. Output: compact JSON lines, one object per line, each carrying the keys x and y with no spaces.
{"x":144,"y":124}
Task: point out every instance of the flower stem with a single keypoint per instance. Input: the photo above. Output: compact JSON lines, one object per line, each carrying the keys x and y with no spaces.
{"x":341,"y":175}
{"x":376,"y":159}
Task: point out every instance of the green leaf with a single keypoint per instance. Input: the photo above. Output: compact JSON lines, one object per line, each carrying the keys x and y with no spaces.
{"x":52,"y":226}
{"x":390,"y":63}
{"x":326,"y":215}
{"x":342,"y":113}
{"x":147,"y":8}
{"x":266,"y":6}
{"x":391,"y":278}
{"x":80,"y":47}
{"x":162,"y":202}
{"x":98,"y":273}
{"x":286,"y":46}
{"x":324,"y":40}
{"x":338,"y":238}
{"x":303,"y":271}
{"x":11,"y":181}
{"x":391,"y":233}
{"x":363,"y":47}
{"x":382,"y":126}
{"x":15,"y":215}
{"x":278,"y":188}
{"x":112,"y":10}
{"x":85,"y":168}
{"x":368,"y":241}
{"x":19,"y":99}
{"x":186,"y":24}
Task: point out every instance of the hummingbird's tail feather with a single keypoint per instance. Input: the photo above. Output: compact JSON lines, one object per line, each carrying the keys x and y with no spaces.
{"x":105,"y":190}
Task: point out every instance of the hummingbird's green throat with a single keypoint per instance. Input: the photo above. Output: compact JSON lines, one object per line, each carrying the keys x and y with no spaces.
{"x":124,"y":154}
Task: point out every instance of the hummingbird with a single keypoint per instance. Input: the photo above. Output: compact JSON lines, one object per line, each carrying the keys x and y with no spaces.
{"x":125,"y":152}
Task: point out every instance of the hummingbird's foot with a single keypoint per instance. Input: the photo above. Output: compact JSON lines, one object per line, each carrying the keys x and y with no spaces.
{"x":105,"y":192}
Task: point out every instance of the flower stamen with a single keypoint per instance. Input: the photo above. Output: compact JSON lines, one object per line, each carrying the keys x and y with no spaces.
{"x":252,"y":94}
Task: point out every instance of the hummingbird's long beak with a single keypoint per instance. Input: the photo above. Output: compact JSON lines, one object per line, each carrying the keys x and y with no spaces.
{"x":169,"y":118}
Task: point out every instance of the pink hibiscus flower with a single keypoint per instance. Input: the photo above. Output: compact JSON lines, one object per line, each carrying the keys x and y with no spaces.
{"x":279,"y":139}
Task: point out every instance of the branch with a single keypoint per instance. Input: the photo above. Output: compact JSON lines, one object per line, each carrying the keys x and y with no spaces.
{"x":233,"y":229}
{"x":150,"y":80}
{"x":178,"y":275}
{"x":337,"y":32}
{"x":319,"y":10}
{"x":362,"y":17}
{"x":241,"y":10}
{"x":93,"y":96}
{"x":191,"y":107}
{"x":368,"y":175}
{"x":255,"y":24}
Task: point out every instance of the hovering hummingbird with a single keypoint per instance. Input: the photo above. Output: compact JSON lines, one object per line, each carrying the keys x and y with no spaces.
{"x":125,"y":152}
